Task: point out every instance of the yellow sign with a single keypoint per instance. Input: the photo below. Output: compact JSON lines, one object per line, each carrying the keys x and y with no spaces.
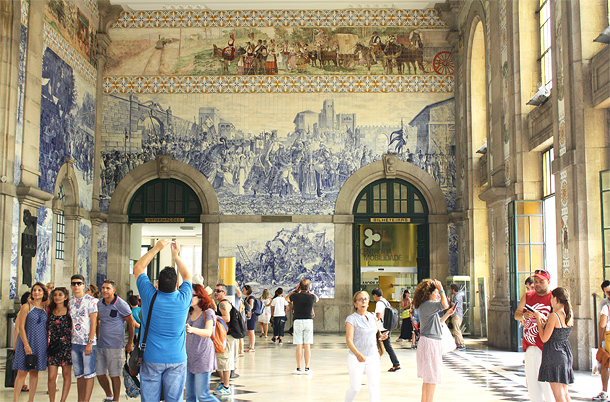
{"x":390,"y":220}
{"x":163,"y":220}
{"x":388,"y":245}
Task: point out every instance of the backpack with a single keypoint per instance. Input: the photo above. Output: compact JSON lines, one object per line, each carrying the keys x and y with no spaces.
{"x":219,"y":337}
{"x":132,"y":384}
{"x":390,"y":316}
{"x":258,"y":307}
{"x":237,"y":325}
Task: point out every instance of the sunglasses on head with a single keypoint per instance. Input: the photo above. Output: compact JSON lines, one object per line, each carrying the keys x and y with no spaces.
{"x":77,"y":283}
{"x":540,"y":272}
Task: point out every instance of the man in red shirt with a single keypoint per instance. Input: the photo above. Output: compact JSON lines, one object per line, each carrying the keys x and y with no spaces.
{"x":539,"y":300}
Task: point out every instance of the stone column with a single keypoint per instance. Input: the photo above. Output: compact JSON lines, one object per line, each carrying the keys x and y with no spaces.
{"x":118,"y":261}
{"x":10,"y":14}
{"x":344,"y":278}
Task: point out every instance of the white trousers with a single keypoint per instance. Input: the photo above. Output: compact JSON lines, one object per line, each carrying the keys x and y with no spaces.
{"x":372,"y":367}
{"x":538,"y":391}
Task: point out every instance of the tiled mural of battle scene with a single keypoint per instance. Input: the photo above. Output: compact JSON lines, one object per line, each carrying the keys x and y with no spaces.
{"x":273,"y":255}
{"x":282,"y":154}
{"x":279,"y":42}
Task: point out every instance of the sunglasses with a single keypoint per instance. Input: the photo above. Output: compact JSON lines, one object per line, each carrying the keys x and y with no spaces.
{"x":540,"y":272}
{"x":218,"y":291}
{"x":77,"y":283}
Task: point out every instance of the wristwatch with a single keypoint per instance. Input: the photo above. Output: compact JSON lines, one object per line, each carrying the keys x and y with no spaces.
{"x":90,"y":341}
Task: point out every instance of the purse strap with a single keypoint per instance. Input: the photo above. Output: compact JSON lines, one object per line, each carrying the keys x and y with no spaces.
{"x":143,"y":343}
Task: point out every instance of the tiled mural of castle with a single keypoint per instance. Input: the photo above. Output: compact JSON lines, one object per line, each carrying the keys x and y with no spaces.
{"x":284,"y":157}
{"x":273,"y":255}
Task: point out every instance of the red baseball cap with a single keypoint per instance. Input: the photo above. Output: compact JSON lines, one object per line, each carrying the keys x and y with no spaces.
{"x":543,"y":274}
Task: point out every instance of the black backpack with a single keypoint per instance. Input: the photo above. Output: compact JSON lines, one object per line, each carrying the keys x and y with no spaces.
{"x":237,"y":325}
{"x":390,"y":316}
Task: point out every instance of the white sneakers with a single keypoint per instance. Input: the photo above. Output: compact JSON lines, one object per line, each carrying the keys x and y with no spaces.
{"x":603,"y":396}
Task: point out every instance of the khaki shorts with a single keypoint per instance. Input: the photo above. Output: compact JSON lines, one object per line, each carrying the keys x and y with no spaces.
{"x":109,"y":361}
{"x":226,"y":361}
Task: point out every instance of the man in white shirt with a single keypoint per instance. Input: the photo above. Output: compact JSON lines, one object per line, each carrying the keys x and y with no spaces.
{"x":381,"y":304}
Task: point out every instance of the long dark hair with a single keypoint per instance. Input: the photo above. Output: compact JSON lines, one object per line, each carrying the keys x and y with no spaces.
{"x":52,"y":305}
{"x":278,"y":292}
{"x":563,"y":296}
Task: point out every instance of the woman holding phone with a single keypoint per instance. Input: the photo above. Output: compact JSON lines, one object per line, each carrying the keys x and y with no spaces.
{"x":556,"y":365}
{"x":429,"y":297}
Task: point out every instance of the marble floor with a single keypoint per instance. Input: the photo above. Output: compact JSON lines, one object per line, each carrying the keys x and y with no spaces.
{"x":479,"y":374}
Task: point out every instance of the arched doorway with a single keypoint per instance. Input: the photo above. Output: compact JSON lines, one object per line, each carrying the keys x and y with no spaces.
{"x":146,"y":192}
{"x":391,"y":244}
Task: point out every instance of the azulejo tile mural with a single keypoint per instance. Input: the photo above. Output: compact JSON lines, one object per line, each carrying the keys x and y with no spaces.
{"x":332,"y":42}
{"x":287,"y":18}
{"x":76,"y":22}
{"x":67,"y":125}
{"x":44,"y":232}
{"x":295,"y":84}
{"x":273,"y":255}
{"x":60,"y":46}
{"x":285,"y":154}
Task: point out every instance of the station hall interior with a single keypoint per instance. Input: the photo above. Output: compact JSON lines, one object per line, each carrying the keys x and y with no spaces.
{"x":359,"y":146}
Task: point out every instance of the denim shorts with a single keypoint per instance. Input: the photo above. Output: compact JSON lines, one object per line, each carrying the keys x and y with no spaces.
{"x":83,"y":365}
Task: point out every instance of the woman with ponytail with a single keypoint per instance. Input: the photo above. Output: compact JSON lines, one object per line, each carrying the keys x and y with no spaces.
{"x":556,"y":366}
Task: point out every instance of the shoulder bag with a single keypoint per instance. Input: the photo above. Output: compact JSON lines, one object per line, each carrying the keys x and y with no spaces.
{"x":137,"y":354}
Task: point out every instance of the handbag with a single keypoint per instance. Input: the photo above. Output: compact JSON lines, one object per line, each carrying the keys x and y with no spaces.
{"x":380,"y":346}
{"x":603,"y":357}
{"x":31,"y":361}
{"x":448,"y":344}
{"x":10,"y":374}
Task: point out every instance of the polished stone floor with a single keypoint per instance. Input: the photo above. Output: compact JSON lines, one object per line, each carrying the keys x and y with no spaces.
{"x":477,"y":374}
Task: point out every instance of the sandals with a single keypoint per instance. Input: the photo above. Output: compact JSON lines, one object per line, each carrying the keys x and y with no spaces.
{"x":394,"y":369}
{"x":250,"y":350}
{"x":25,"y":388}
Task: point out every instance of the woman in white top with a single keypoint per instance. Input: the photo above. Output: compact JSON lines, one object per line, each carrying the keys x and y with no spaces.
{"x":265,"y":317}
{"x":361,"y":337}
{"x":279,"y":306}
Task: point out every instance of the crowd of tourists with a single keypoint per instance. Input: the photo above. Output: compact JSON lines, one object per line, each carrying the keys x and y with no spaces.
{"x":83,"y":331}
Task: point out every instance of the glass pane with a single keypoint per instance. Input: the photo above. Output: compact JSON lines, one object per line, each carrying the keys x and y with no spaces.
{"x":523,"y":230}
{"x":362,"y":206}
{"x":384,"y":207}
{"x":531,"y":208}
{"x":523,"y":258}
{"x":397,"y":206}
{"x":521,"y":282}
{"x":192,"y":206}
{"x":403,"y":192}
{"x":136,"y":207}
{"x":607,"y":246}
{"x":384,"y":191}
{"x":537,"y":257}
{"x":536,"y":230}
{"x":606,"y":208}
{"x":376,"y":207}
{"x":605,"y":179}
{"x":418,"y":207}
{"x":397,"y":190}
{"x":405,"y":206}
{"x":376,"y":192}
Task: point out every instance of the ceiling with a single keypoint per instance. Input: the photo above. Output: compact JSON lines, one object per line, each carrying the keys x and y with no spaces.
{"x":270,"y":4}
{"x":170,"y":230}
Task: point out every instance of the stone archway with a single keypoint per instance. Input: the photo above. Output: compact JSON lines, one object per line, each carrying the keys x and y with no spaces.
{"x":389,"y":168}
{"x":164,"y":167}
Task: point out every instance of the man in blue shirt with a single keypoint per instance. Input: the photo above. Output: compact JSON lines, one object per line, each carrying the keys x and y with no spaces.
{"x":113,"y":312}
{"x":458,"y":316}
{"x":164,"y":362}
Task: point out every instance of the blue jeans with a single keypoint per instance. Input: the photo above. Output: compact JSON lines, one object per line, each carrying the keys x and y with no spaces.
{"x":171,"y":377}
{"x":83,"y":365}
{"x":198,"y":388}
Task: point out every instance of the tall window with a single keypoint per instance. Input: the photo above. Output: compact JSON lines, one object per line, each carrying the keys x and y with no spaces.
{"x":548,"y":182}
{"x":546,"y":62}
{"x":61,"y":227}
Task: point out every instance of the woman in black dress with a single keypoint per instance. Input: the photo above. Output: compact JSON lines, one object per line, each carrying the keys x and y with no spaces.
{"x":556,"y":366}
{"x":59,"y":352}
